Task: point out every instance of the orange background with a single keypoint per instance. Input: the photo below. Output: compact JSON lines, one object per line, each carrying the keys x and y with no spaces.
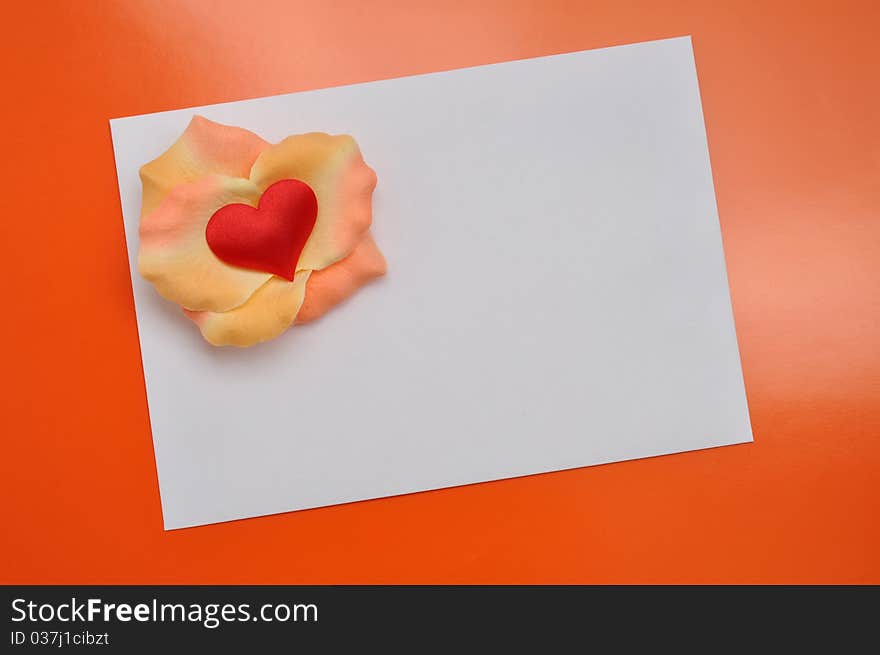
{"x":792,"y":104}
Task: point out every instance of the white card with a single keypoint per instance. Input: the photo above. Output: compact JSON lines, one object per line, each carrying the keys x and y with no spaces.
{"x":556,"y":293}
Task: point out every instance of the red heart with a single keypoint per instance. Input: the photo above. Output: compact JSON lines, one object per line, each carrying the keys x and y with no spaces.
{"x":269,"y":238}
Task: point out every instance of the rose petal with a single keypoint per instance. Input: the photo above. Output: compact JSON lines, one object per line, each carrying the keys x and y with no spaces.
{"x":204,"y":148}
{"x":269,"y":312}
{"x":343,"y":183}
{"x":175,"y":256}
{"x":332,"y":285}
{"x":207,"y":169}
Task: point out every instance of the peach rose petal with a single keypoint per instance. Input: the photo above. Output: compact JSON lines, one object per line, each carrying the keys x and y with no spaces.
{"x":268,"y":313}
{"x":205,"y":148}
{"x":335,"y":170}
{"x":330,"y":286}
{"x":175,"y":256}
{"x":213,"y":165}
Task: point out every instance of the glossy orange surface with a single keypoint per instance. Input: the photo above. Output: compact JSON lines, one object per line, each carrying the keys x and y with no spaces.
{"x":791,"y":99}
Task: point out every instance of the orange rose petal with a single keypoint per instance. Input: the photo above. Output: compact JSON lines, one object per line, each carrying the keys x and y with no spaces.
{"x":266,"y":314}
{"x":335,"y":170}
{"x":335,"y":283}
{"x":175,"y":256}
{"x":205,"y":148}
{"x":212,"y":165}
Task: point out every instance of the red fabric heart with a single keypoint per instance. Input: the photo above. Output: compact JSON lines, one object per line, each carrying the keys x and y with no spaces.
{"x":269,"y":238}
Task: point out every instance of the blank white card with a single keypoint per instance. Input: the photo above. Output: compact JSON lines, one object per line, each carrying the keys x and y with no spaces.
{"x":556,"y":293}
